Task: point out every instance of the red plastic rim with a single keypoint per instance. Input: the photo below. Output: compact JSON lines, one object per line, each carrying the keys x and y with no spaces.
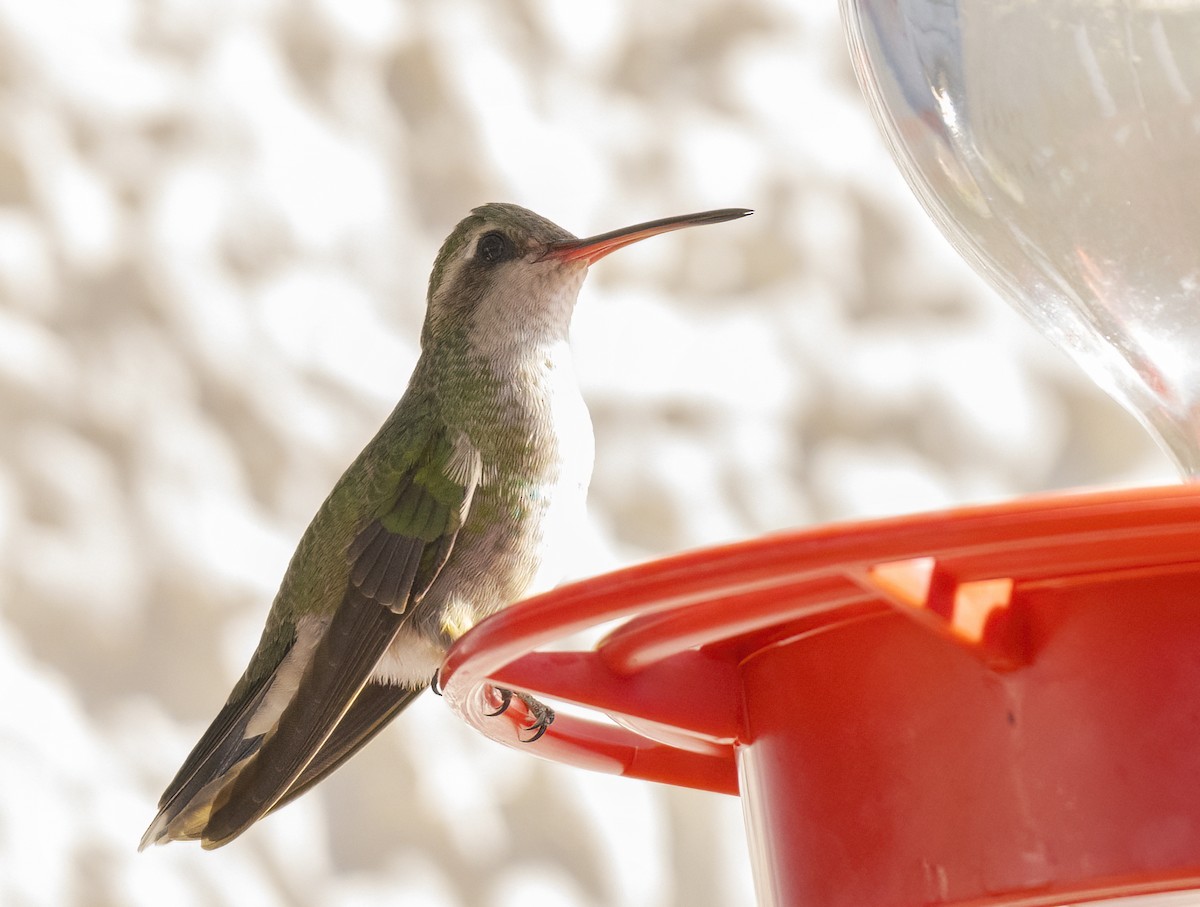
{"x":994,"y":705}
{"x":991,"y":706}
{"x":692,"y":619}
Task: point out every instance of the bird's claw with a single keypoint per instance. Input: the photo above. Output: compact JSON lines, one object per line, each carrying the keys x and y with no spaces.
{"x":541,"y":716}
{"x":436,"y":684}
{"x":506,"y":697}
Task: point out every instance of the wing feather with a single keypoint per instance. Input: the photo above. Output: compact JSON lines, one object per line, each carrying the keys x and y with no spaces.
{"x":235,"y":776}
{"x":357,"y":637}
{"x":376,"y":705}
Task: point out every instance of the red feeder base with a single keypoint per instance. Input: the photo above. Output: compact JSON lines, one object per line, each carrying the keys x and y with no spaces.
{"x":997,"y":705}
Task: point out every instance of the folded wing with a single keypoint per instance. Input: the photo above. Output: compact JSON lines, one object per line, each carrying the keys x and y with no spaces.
{"x":240,"y":771}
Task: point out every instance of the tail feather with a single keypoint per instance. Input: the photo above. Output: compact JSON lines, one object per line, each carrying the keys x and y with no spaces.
{"x":186,"y":819}
{"x":218,"y":757}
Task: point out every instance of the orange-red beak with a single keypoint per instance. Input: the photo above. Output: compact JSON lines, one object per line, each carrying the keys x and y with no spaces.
{"x":593,"y":248}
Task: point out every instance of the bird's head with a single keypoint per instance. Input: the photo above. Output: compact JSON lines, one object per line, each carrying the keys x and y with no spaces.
{"x":506,"y":275}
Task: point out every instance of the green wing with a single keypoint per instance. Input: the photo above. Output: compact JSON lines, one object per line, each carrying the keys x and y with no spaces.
{"x":392,"y":561}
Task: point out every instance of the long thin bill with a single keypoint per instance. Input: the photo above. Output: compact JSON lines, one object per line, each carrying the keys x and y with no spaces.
{"x":593,"y":248}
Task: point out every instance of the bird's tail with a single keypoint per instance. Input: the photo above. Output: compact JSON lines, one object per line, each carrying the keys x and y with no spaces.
{"x":224,"y":752}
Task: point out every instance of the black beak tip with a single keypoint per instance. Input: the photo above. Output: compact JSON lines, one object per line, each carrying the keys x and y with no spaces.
{"x":732,"y":213}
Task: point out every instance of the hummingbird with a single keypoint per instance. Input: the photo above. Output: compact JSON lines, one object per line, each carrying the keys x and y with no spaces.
{"x":461,"y":504}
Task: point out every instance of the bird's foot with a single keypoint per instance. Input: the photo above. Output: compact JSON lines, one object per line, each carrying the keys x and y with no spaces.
{"x":541,"y":716}
{"x":435,"y":684}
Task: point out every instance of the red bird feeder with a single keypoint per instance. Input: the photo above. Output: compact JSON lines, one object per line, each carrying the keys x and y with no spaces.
{"x":993,"y":705}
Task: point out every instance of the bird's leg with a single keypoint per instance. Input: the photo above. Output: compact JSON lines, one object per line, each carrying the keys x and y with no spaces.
{"x":541,"y":715}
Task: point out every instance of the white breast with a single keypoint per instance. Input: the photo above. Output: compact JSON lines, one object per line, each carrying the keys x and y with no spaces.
{"x":566,"y":493}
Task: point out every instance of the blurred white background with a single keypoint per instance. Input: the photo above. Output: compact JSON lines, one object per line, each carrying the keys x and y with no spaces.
{"x":216,"y":226}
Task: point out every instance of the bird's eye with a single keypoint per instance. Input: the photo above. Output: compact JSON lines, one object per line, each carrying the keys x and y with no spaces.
{"x":494,"y":247}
